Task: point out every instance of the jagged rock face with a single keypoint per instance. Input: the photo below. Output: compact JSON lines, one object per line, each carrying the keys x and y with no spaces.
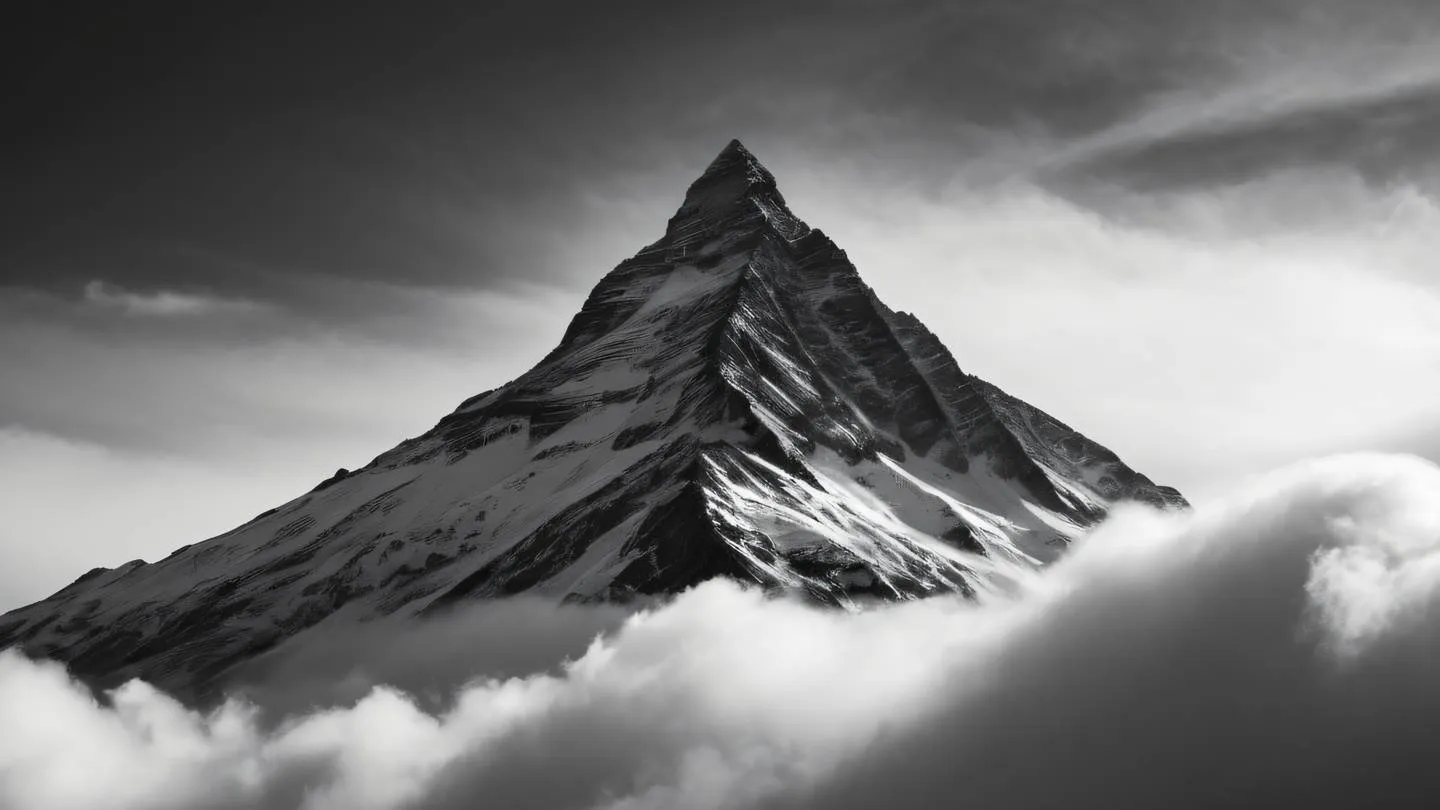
{"x":732,"y":401}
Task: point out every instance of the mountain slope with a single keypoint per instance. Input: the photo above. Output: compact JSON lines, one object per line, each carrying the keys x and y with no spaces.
{"x":731,"y":401}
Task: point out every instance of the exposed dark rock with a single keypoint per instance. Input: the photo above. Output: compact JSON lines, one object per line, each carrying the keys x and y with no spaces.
{"x":340,"y":475}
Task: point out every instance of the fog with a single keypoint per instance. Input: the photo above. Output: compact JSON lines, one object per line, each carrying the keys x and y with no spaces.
{"x":1278,"y":645}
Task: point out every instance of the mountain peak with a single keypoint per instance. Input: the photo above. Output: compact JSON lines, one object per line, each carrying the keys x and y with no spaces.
{"x":731,"y":401}
{"x":734,"y":175}
{"x":735,"y":153}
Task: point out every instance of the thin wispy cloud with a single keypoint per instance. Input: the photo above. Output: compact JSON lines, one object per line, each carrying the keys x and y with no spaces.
{"x":164,"y":303}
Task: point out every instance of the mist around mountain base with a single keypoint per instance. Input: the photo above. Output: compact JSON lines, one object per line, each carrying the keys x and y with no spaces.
{"x":1278,"y":647}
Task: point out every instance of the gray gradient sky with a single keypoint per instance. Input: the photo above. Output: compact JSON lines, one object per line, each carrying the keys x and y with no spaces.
{"x":245,"y":246}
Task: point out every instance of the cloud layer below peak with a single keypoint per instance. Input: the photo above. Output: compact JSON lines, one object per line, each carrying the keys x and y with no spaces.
{"x":1277,"y":645}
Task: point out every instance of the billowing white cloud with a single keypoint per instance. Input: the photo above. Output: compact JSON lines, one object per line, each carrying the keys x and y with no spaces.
{"x":1279,"y":644}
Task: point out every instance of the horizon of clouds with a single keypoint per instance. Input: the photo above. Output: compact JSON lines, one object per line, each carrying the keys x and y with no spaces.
{"x":1277,"y":644}
{"x":1061,"y":247}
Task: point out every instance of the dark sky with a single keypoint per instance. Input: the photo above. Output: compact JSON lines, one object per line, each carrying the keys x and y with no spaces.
{"x":243,"y":148}
{"x":244,"y":244}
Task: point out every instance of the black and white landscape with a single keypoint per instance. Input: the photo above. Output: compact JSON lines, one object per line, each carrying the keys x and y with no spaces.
{"x":731,"y":402}
{"x":705,"y":506}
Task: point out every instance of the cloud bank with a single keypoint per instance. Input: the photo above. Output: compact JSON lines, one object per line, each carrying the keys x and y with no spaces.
{"x":1277,"y":646}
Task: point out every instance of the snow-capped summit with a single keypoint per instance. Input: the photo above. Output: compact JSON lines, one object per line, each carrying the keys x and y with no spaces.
{"x":732,"y":401}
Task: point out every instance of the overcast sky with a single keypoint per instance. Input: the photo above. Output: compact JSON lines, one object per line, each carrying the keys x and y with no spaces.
{"x":246,"y":245}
